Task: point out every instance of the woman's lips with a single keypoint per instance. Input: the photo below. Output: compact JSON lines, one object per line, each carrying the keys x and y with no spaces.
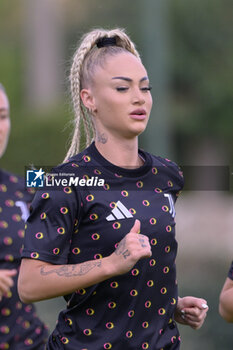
{"x":138,"y":114}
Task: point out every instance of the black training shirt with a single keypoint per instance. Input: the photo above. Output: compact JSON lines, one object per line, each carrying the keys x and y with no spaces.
{"x":20,"y":328}
{"x":74,"y":224}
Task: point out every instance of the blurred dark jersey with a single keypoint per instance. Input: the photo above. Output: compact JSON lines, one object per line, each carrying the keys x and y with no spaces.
{"x":20,"y":328}
{"x":230,"y":273}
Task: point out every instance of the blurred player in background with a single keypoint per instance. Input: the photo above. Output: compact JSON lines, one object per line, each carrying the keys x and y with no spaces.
{"x":20,"y":328}
{"x":226,"y":298}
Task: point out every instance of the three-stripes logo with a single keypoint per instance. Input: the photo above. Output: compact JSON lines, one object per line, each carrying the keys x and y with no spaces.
{"x":119,"y":212}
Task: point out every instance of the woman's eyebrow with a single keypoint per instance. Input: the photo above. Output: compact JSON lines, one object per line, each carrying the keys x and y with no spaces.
{"x":129,"y":79}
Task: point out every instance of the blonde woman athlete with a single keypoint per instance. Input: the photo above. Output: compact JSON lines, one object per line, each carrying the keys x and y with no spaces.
{"x":110,"y":249}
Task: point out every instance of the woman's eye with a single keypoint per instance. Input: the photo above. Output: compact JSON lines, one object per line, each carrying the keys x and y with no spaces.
{"x":122,"y":88}
{"x":146,"y":88}
{"x":3,"y":116}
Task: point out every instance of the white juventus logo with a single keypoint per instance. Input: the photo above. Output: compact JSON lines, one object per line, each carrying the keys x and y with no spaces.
{"x":119,"y":212}
{"x":24,"y":209}
{"x":171,"y":204}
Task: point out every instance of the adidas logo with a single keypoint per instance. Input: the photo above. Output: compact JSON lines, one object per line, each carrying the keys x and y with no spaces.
{"x":119,"y":212}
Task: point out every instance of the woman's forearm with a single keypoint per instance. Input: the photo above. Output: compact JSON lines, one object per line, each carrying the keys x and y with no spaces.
{"x":39,"y":280}
{"x":226,"y":301}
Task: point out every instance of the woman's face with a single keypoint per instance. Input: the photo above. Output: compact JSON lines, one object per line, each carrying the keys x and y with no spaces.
{"x":120,"y":97}
{"x":4,"y":122}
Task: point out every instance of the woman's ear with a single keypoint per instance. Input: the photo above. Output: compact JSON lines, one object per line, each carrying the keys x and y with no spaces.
{"x":88,"y":99}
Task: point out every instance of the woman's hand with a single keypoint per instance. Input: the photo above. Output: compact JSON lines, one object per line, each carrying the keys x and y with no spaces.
{"x":131,"y":248}
{"x":6,"y":281}
{"x":191,"y":311}
{"x":39,"y":280}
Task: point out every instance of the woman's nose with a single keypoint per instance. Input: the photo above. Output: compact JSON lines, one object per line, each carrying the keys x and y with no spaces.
{"x":138,"y":97}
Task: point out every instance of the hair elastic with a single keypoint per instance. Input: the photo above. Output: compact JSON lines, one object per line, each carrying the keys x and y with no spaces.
{"x":103,"y":42}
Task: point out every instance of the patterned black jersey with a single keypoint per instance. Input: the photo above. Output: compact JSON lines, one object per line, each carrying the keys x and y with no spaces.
{"x":75,"y":224}
{"x":20,"y":328}
{"x":230,"y":273}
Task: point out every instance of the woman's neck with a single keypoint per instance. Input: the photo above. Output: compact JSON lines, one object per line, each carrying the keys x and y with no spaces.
{"x":122,"y":153}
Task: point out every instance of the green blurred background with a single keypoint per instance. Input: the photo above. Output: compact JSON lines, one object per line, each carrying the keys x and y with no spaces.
{"x":187,"y":49}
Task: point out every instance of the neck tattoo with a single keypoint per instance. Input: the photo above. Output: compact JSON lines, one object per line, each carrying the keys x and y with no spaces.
{"x":102,"y":138}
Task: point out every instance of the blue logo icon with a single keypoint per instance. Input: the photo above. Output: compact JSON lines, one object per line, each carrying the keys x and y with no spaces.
{"x":35,"y":178}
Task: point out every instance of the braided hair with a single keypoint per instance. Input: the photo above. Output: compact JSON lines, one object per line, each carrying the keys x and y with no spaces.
{"x":87,"y":57}
{"x":2,"y":88}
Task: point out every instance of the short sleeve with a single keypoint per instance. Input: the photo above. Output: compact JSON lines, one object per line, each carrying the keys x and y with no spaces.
{"x":171,"y":176}
{"x":230,"y":273}
{"x":53,"y":217}
{"x":178,"y":177}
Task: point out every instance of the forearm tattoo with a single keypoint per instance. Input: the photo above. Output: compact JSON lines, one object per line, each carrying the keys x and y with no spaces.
{"x":72,"y":270}
{"x":121,"y":249}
